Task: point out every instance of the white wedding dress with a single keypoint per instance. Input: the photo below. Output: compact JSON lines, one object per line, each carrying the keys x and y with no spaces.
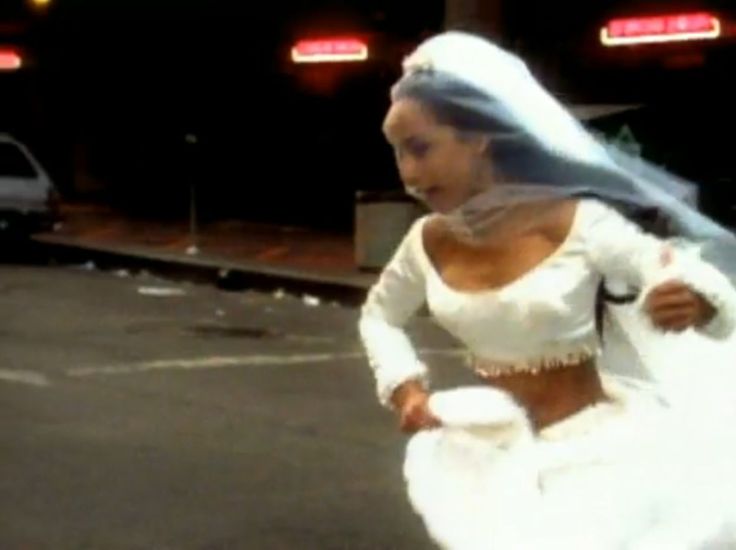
{"x":654,"y":467}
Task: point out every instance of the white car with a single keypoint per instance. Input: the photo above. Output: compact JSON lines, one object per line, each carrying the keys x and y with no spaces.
{"x":28,"y":197}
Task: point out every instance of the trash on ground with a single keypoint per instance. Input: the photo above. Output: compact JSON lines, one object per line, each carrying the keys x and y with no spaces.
{"x":310,"y":301}
{"x":160,"y":291}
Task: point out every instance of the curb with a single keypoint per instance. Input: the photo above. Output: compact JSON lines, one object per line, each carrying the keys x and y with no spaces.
{"x":349,"y":288}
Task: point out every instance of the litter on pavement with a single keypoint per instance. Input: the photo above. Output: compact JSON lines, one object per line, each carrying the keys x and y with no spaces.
{"x":310,"y":301}
{"x":160,"y":291}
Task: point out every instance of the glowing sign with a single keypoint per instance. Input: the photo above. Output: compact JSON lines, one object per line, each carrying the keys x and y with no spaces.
{"x":331,"y":50}
{"x":10,"y":60}
{"x":666,"y":28}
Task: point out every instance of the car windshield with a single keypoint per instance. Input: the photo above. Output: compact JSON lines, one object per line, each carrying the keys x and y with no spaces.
{"x":14,"y":163}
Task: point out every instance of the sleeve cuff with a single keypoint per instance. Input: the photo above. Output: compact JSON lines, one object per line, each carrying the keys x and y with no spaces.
{"x":721,"y":326}
{"x":715,"y":287}
{"x":387,"y":380}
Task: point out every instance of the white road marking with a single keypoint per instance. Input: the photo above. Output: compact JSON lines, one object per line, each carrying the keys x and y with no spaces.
{"x":230,"y":361}
{"x":212,"y":363}
{"x":28,"y":377}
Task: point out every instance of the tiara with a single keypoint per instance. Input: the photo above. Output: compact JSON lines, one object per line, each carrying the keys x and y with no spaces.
{"x":417,"y":63}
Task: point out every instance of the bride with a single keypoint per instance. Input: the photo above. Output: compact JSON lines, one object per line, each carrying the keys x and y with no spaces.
{"x":533,"y":221}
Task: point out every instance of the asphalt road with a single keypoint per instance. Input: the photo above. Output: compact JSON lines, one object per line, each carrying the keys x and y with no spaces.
{"x":143,"y":414}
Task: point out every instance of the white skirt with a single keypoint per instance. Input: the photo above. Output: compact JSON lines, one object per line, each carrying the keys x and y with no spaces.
{"x":633,"y":473}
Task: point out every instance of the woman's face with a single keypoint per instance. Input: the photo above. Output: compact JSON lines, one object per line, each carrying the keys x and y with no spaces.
{"x":435,"y":164}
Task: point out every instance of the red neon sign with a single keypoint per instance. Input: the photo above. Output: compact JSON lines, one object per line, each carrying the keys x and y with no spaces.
{"x":10,"y":60}
{"x":665,"y":28}
{"x":330,"y":50}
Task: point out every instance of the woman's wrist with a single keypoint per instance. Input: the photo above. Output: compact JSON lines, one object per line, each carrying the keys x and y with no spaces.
{"x":405,"y":391}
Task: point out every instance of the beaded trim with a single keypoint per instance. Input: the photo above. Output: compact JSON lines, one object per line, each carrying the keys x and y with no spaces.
{"x":489,"y":368}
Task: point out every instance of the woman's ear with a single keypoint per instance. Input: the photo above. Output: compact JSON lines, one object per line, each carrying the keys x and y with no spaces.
{"x":478,"y":142}
{"x":484,"y":143}
{"x":481,"y":143}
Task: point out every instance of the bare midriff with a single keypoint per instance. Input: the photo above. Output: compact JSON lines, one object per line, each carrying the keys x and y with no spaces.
{"x":549,"y":396}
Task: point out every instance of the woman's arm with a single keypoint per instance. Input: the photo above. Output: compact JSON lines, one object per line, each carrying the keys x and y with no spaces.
{"x":680,"y":289}
{"x":391,"y":302}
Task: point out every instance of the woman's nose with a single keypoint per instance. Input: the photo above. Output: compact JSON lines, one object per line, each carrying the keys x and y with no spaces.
{"x":409,"y":171}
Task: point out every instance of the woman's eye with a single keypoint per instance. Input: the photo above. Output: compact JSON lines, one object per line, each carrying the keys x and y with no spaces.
{"x":417,"y":148}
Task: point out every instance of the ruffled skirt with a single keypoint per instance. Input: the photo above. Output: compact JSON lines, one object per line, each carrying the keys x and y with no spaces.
{"x":636,"y":472}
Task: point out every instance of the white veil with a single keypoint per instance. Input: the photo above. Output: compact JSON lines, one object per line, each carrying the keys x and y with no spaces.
{"x":539,"y":150}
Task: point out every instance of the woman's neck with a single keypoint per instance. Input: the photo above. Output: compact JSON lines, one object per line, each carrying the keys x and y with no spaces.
{"x":501,"y":223}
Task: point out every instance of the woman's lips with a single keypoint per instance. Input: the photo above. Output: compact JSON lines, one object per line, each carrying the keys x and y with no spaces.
{"x":433,"y":195}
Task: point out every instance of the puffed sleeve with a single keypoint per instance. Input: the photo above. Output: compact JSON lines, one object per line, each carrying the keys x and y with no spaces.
{"x":619,"y":249}
{"x":391,"y":302}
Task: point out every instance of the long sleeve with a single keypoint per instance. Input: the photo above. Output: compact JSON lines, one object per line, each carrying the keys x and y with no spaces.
{"x":391,"y":302}
{"x":618,"y":249}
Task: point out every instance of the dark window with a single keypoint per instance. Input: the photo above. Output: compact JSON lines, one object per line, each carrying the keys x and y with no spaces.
{"x":14,"y":163}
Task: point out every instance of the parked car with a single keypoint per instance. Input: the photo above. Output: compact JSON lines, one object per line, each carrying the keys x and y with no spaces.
{"x":28,"y":197}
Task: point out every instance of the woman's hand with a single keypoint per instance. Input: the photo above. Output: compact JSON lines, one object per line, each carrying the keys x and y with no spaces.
{"x":410,"y":400}
{"x":673,"y":306}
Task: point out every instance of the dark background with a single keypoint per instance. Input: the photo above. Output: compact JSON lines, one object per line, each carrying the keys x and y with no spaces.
{"x":110,"y":90}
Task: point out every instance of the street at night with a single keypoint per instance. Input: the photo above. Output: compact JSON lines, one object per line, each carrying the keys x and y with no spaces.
{"x":140,"y":413}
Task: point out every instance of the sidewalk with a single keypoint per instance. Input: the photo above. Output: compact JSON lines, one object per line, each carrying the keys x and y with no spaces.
{"x":266,"y":251}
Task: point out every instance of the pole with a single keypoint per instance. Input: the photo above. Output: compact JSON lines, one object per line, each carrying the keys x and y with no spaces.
{"x":193,"y":249}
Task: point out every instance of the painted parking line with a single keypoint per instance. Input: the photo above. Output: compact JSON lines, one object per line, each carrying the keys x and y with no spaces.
{"x":219,"y":362}
{"x":27,"y":377}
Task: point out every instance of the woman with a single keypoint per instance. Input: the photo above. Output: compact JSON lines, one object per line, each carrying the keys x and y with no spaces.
{"x":552,"y":452}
